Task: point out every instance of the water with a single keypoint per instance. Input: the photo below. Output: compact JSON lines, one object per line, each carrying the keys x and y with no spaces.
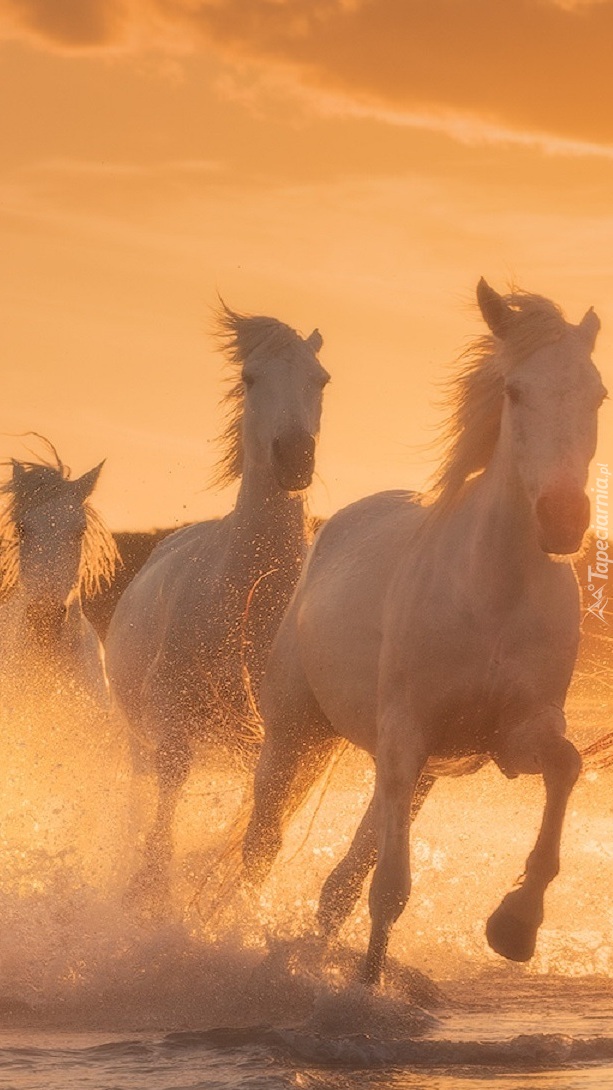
{"x":494,"y":1039}
{"x":93,"y":996}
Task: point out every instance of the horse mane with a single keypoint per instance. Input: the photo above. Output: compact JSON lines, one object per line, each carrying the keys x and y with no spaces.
{"x":474,"y":396}
{"x":240,"y":335}
{"x":39,"y":482}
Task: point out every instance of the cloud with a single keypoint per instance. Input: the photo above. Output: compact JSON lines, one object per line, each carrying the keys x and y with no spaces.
{"x":527,"y":65}
{"x":466,"y":128}
{"x":66,"y":24}
{"x":522,"y":66}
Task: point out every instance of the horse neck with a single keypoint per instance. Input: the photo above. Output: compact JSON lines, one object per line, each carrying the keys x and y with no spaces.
{"x":267,"y":523}
{"x":18,"y":601}
{"x":16,"y":639}
{"x":501,"y":520}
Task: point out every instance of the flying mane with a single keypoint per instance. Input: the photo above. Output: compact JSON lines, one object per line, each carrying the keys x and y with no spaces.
{"x":38,"y":483}
{"x":475,"y":395}
{"x":240,"y":335}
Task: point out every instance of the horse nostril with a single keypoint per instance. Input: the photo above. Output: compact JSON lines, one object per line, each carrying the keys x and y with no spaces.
{"x":294,"y":457}
{"x":563,"y":506}
{"x":294,"y":446}
{"x":563,"y":515}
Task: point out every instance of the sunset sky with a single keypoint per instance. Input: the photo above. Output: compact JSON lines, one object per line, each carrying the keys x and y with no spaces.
{"x":354,"y":165}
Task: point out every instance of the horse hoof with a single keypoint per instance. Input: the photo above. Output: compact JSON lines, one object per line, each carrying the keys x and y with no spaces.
{"x":509,"y":935}
{"x":372,"y":972}
{"x":329,"y":921}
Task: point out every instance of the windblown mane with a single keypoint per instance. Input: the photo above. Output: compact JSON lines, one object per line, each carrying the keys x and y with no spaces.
{"x":475,"y":395}
{"x":38,"y":483}
{"x":240,"y":335}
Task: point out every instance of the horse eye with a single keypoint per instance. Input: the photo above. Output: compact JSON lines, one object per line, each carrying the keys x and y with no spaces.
{"x":603,"y":396}
{"x":513,"y":393}
{"x":325,"y":378}
{"x":248,"y":381}
{"x":20,"y":530}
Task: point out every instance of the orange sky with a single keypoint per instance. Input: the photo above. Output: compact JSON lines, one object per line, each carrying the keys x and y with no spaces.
{"x":354,"y":165}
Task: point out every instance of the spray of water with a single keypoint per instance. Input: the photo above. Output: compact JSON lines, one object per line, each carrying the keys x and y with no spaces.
{"x":73,"y":951}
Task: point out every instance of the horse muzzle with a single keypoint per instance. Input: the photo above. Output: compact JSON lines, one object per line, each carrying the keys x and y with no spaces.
{"x":563,"y":516}
{"x":293,"y":459}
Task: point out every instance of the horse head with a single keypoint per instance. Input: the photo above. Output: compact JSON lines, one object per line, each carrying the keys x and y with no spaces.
{"x":50,"y":518}
{"x":552,"y":393}
{"x":275,"y":403}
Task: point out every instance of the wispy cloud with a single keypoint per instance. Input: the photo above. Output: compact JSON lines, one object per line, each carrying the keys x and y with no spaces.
{"x":469,"y":129}
{"x":476,"y":69}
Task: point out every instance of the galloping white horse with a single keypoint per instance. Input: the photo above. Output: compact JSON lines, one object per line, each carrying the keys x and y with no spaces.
{"x":439,"y":633}
{"x":200,"y":617}
{"x":55,"y":548}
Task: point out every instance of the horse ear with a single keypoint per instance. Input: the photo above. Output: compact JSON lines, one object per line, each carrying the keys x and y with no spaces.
{"x":496,"y":314}
{"x":19,"y":473}
{"x":589,"y":327}
{"x":84,"y":486}
{"x":315,"y":340}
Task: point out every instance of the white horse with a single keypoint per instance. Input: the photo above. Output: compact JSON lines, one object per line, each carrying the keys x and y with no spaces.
{"x":191,"y":634}
{"x":54,"y":549}
{"x":438,"y":634}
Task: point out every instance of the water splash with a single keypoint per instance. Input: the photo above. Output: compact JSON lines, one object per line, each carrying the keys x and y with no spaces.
{"x":72,"y":952}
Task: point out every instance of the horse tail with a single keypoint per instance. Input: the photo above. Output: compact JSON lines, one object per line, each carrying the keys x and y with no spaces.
{"x":227,"y":864}
{"x":598,"y":754}
{"x":301,"y":795}
{"x":252,"y":732}
{"x":224,"y":871}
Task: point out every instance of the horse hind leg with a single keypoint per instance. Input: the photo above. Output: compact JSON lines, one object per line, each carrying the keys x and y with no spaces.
{"x":512,"y":928}
{"x":343,"y":887}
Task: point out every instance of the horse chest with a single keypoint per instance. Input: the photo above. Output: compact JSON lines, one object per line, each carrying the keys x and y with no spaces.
{"x":465,"y":680}
{"x":239,"y":620}
{"x":227,"y":662}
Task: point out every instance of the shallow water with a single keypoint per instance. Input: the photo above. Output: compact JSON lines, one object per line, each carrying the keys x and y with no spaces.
{"x":548,"y":1039}
{"x":91,"y":995}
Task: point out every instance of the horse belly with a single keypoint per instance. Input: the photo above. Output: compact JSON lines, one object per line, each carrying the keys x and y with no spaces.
{"x":462,"y":734}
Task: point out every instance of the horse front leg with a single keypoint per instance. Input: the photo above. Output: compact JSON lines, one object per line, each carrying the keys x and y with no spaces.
{"x":343,"y":886}
{"x":150,"y":887}
{"x":537,"y":747}
{"x":400,"y":759}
